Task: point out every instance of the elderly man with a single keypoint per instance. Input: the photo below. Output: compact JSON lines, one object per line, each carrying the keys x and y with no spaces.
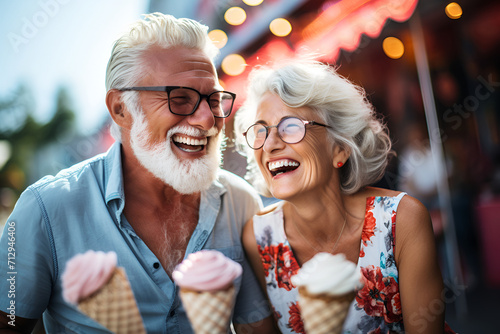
{"x":157,"y":195}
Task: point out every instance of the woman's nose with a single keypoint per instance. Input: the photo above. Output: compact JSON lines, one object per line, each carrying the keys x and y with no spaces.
{"x":273,"y":140}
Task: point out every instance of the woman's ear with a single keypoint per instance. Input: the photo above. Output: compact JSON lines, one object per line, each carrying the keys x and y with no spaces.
{"x":340,"y":156}
{"x":117,"y":109}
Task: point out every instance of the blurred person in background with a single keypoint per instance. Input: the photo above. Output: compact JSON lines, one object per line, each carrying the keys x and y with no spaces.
{"x":157,"y":195}
{"x":417,"y":173}
{"x":314,"y":141}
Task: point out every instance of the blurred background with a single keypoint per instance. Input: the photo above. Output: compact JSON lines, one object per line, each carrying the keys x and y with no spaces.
{"x":430,"y":68}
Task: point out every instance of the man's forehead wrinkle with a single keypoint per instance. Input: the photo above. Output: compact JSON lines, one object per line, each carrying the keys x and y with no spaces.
{"x":193,"y":70}
{"x":196,"y":67}
{"x":194,"y":63}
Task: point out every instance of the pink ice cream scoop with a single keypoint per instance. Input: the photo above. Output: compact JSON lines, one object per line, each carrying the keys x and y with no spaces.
{"x":86,"y":273}
{"x":206,"y":270}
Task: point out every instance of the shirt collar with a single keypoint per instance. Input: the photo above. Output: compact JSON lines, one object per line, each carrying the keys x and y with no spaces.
{"x":216,"y":189}
{"x":113,"y":180}
{"x":113,"y":177}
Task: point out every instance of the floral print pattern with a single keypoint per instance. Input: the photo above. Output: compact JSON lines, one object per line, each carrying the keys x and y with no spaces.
{"x":295,"y":322}
{"x":267,"y":258}
{"x":379,"y":296}
{"x":279,"y":259}
{"x":377,"y":306}
{"x":369,"y":224}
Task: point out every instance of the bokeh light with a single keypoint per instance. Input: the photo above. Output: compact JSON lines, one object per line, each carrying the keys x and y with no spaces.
{"x":393,"y":47}
{"x":218,"y":37}
{"x":453,"y":10}
{"x":235,"y":16}
{"x":280,"y":27}
{"x":233,"y":64}
{"x":253,"y":2}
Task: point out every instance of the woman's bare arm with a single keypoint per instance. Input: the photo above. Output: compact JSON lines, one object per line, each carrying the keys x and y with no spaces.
{"x":420,"y":280}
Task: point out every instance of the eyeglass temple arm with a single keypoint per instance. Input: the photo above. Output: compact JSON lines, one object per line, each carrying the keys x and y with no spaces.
{"x":316,"y":123}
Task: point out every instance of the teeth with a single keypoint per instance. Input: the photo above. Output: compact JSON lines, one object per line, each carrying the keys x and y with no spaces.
{"x":189,"y":141}
{"x":188,"y":150}
{"x":282,"y":163}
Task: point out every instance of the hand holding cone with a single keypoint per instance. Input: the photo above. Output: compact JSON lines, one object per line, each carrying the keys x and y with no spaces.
{"x":102,"y":292}
{"x":324,"y":314}
{"x":327,"y":285}
{"x":208,"y":311}
{"x":207,"y":292}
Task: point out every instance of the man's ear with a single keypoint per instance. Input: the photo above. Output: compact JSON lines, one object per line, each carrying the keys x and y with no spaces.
{"x":117,"y":109}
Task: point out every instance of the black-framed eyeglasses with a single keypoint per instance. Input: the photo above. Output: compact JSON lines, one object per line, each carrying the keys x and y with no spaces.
{"x":290,"y":129}
{"x":184,"y":101}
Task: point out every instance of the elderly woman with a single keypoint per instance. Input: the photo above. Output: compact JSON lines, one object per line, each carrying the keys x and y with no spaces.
{"x":318,"y":145}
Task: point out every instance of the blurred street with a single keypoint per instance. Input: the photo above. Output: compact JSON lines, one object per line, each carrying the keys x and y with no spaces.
{"x":482,"y":309}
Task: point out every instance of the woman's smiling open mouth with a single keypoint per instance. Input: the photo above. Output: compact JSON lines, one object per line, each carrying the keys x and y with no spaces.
{"x":282,"y":166}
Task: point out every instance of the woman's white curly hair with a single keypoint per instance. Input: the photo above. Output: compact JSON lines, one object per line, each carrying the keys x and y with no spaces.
{"x":338,"y":102}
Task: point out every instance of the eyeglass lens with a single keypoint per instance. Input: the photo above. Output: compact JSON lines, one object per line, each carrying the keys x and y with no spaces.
{"x":290,"y":130}
{"x":183,"y":101}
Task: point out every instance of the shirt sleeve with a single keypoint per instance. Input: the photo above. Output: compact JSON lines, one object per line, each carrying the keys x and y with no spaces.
{"x":26,"y":258}
{"x":251,"y":303}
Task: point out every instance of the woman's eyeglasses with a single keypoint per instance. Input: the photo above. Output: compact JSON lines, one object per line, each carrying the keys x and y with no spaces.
{"x":290,"y":129}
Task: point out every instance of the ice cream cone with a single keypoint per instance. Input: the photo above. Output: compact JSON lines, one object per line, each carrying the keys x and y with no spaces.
{"x":208,"y":311}
{"x":114,"y":306}
{"x":324,"y":313}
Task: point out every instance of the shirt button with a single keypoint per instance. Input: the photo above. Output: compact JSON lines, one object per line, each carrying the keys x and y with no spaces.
{"x":156,"y":265}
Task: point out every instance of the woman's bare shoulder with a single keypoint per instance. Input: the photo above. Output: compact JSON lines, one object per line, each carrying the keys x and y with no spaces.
{"x":378,"y":192}
{"x":408,"y":205}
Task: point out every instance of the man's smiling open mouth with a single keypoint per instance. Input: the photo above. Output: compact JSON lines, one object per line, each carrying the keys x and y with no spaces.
{"x":188,"y":144}
{"x":282,"y":166}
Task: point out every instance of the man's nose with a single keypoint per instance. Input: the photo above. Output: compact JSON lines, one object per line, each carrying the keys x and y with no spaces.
{"x":202,"y":118}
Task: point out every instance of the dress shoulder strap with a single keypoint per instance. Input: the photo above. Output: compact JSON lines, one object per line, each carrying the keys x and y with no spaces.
{"x":268,"y":225}
{"x":400,"y":196}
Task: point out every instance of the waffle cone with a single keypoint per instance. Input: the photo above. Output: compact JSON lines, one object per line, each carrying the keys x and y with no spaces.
{"x":114,"y":306}
{"x":208,"y":311}
{"x":324,"y":313}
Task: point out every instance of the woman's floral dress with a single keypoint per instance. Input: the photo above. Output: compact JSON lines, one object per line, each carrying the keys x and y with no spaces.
{"x":377,"y":306}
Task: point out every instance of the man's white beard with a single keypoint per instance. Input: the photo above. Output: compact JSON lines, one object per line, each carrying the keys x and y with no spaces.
{"x":185,"y":176}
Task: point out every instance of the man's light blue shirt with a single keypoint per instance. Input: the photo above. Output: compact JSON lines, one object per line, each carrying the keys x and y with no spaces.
{"x":81,"y":208}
